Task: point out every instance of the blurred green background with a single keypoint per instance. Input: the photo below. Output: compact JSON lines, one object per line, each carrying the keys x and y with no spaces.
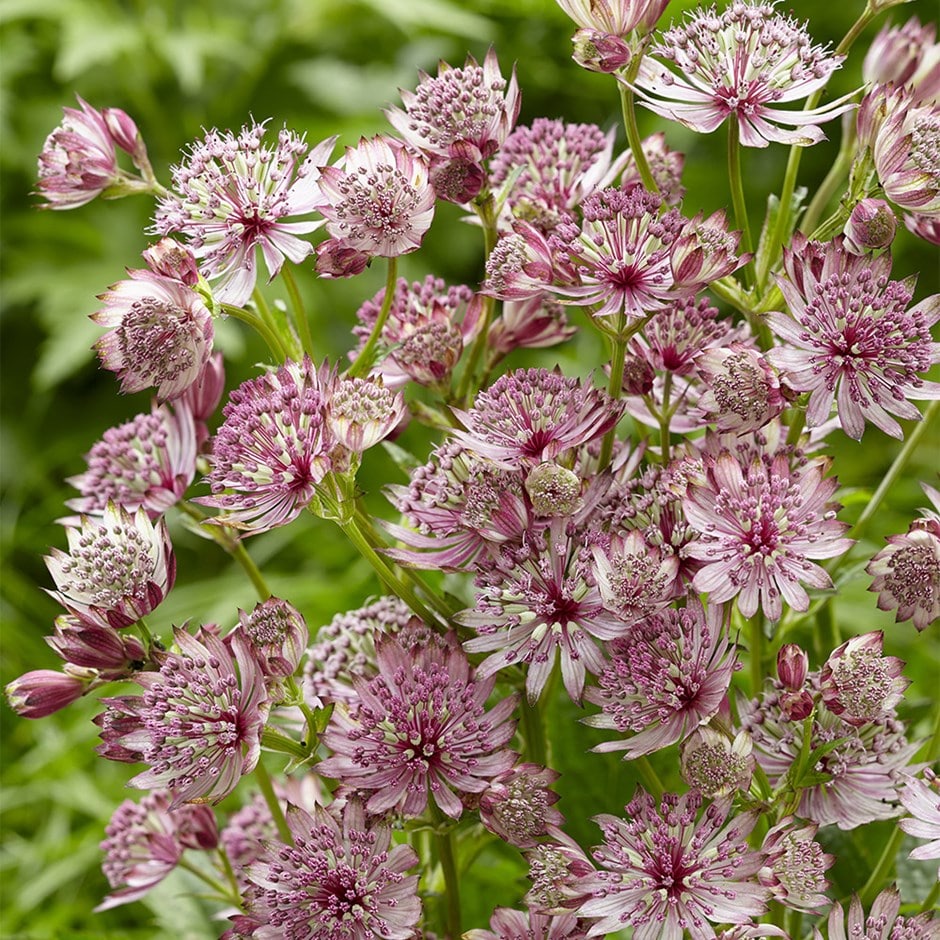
{"x":324,"y":67}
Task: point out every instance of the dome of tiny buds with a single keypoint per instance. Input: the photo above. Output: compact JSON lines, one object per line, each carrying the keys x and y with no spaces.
{"x":714,"y":765}
{"x":796,"y":866}
{"x":907,"y":576}
{"x":517,"y":805}
{"x":278,"y":632}
{"x":882,"y":921}
{"x":119,"y":567}
{"x":160,"y":334}
{"x":554,"y":490}
{"x":361,"y":412}
{"x":871,"y":226}
{"x":556,"y":871}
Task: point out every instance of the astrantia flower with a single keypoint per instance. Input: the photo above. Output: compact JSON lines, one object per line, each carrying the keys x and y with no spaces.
{"x":271,"y":450}
{"x":110,"y":654}
{"x":882,"y":921}
{"x":743,"y":63}
{"x":79,"y":158}
{"x":278,"y":634}
{"x":361,"y":412}
{"x":42,"y":692}
{"x":617,"y":17}
{"x":148,"y":461}
{"x":556,"y":871}
{"x":552,"y":166}
{"x":539,"y":601}
{"x":427,"y":328}
{"x":159,"y":334}
{"x":459,"y":119}
{"x":533,"y":415}
{"x":907,"y":572}
{"x":419,"y":731}
{"x":705,"y":251}
{"x":663,"y":872}
{"x":905,"y":55}
{"x":521,"y":265}
{"x":666,"y":676}
{"x":119,"y":567}
{"x":507,"y":924}
{"x":870,"y":227}
{"x":921,"y":798}
{"x":850,"y":338}
{"x":713,"y":764}
{"x":233,"y":194}
{"x":859,"y":684}
{"x":379,"y":200}
{"x":198,"y":724}
{"x":665,"y":164}
{"x":340,"y":879}
{"x":517,"y":805}
{"x":795,"y":867}
{"x":145,"y":842}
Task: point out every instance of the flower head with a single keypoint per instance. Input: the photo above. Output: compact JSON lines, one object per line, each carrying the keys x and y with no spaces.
{"x":340,"y":879}
{"x":529,"y":324}
{"x":795,"y":866}
{"x":159,"y":334}
{"x":110,"y":654}
{"x":905,"y":55}
{"x":508,"y":924}
{"x":850,"y":338}
{"x":119,"y":567}
{"x":616,"y":17}
{"x":361,"y":412}
{"x":271,"y":450}
{"x":664,"y":871}
{"x":666,"y":676}
{"x":235,"y":193}
{"x":278,"y":634}
{"x":533,"y":415}
{"x":419,"y":731}
{"x":42,"y":692}
{"x":79,"y":158}
{"x":380,"y":200}
{"x":715,"y":765}
{"x":871,"y":226}
{"x":758,"y":525}
{"x":198,"y":724}
{"x":146,"y":462}
{"x":741,"y":63}
{"x":145,"y":841}
{"x":882,"y":921}
{"x":517,"y":805}
{"x":921,"y":798}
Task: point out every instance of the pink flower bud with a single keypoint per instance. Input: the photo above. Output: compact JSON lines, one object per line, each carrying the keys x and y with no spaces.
{"x":278,"y":634}
{"x":792,"y":666}
{"x":337,"y":259}
{"x":171,"y":259}
{"x":796,"y":705}
{"x":41,"y":692}
{"x":92,"y":646}
{"x":599,"y":52}
{"x":457,"y":181}
{"x":871,"y":225}
{"x":124,"y":133}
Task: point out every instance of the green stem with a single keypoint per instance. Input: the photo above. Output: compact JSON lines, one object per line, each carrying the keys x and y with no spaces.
{"x":274,"y":805}
{"x":652,"y":783}
{"x":274,"y":740}
{"x":894,"y":471}
{"x":630,"y":126}
{"x":445,"y":850}
{"x":229,"y":874}
{"x":737,"y":196}
{"x":728,"y":290}
{"x":288,"y":340}
{"x":830,"y":625}
{"x":533,"y":730}
{"x":220,"y":889}
{"x":930,"y":749}
{"x":232,"y":545}
{"x":618,"y":355}
{"x":755,"y":628}
{"x":270,"y":336}
{"x":879,"y":874}
{"x":363,"y":361}
{"x":665,"y":417}
{"x":300,"y":312}
{"x":930,"y":902}
{"x":833,"y":183}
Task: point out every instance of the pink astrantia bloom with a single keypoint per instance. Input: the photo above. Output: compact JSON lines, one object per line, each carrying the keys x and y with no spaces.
{"x":850,"y":339}
{"x":508,"y":924}
{"x":551,"y":167}
{"x":459,"y":119}
{"x":145,"y":842}
{"x":537,"y":602}
{"x":758,"y":525}
{"x":424,"y":336}
{"x":198,"y":723}
{"x":278,"y":635}
{"x":79,"y":158}
{"x":42,"y":692}
{"x":271,"y":450}
{"x":616,"y":17}
{"x":110,"y":654}
{"x":665,"y":164}
{"x":119,"y":567}
{"x":362,"y":412}
{"x":522,"y":265}
{"x":340,"y":879}
{"x":882,"y":921}
{"x":668,"y":874}
{"x":159,"y":334}
{"x":556,"y":870}
{"x":859,"y":684}
{"x":742,"y":63}
{"x":715,"y":765}
{"x":666,"y":676}
{"x":795,"y":866}
{"x":870,"y":227}
{"x":419,"y":731}
{"x":907,"y":572}
{"x":533,"y":415}
{"x":233,"y":194}
{"x":457,"y":505}
{"x":906,"y":55}
{"x":705,"y":251}
{"x":921,"y":798}
{"x":379,"y":199}
{"x":903,"y":136}
{"x":517,"y":805}
{"x":146,"y":462}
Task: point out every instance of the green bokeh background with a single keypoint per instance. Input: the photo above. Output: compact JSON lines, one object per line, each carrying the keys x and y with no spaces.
{"x":324,"y":67}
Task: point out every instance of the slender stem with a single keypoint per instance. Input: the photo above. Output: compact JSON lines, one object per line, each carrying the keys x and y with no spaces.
{"x":274,"y":740}
{"x":229,"y":873}
{"x":232,"y":545}
{"x":654,"y":786}
{"x":445,"y":850}
{"x":833,"y":183}
{"x":618,"y":355}
{"x":894,"y":471}
{"x":737,"y":196}
{"x":300,"y":312}
{"x":288,"y":339}
{"x":830,"y":625}
{"x":930,"y":749}
{"x":217,"y":886}
{"x":879,"y":874}
{"x":259,"y":326}
{"x":755,"y":634}
{"x":533,"y":730}
{"x":274,"y":805}
{"x":630,"y":126}
{"x":930,"y":902}
{"x":363,"y":361}
{"x":665,"y":417}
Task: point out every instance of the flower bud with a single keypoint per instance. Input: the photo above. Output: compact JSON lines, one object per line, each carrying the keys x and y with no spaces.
{"x":554,"y":490}
{"x":171,"y":259}
{"x":41,"y":692}
{"x":792,"y":666}
{"x":278,"y":633}
{"x":871,"y":225}
{"x":599,"y":52}
{"x":337,"y":259}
